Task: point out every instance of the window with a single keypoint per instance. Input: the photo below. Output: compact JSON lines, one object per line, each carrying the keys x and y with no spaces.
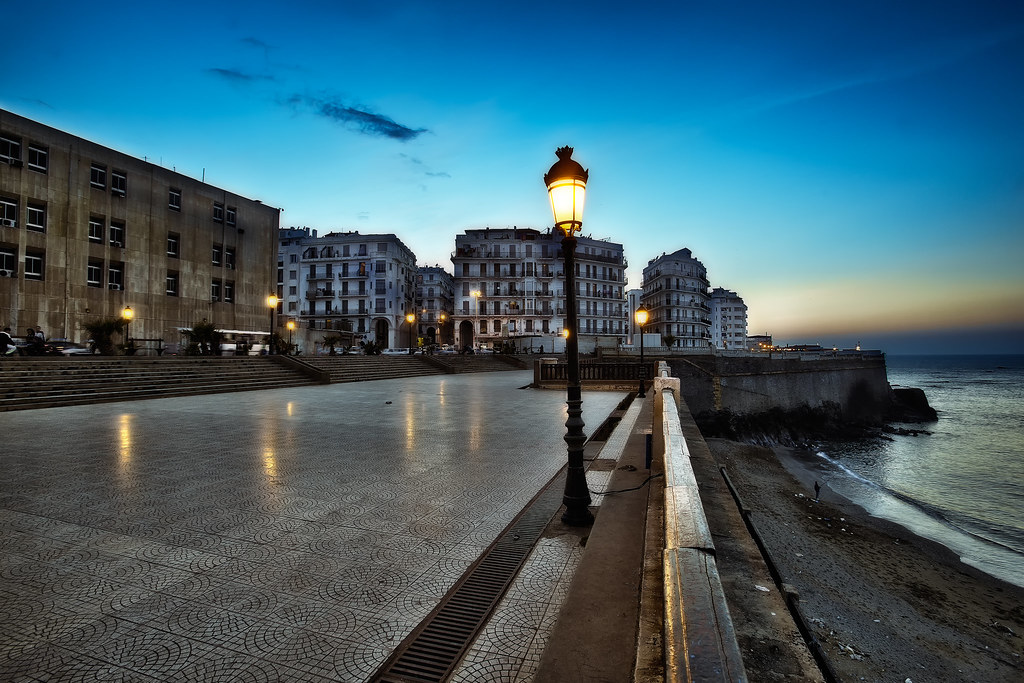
{"x":173,"y":244}
{"x":230,"y":220}
{"x":229,"y":291}
{"x":96,"y":227}
{"x":98,"y":176}
{"x":172,"y":283}
{"x":115,"y":276}
{"x":379,"y":287}
{"x":215,"y":290}
{"x":10,"y":150}
{"x":292,"y":306}
{"x":293,"y":274}
{"x":218,"y":254}
{"x":8,"y":262}
{"x":36,"y":217}
{"x":94,"y":273}
{"x":379,"y":267}
{"x":174,"y":199}
{"x":218,"y":212}
{"x":293,"y":258}
{"x":378,"y":306}
{"x":8,"y":213}
{"x":38,"y":158}
{"x":345,"y":250}
{"x":117,"y":234}
{"x":382,"y":247}
{"x":229,"y":257}
{"x":118,"y":183}
{"x":34,"y":265}
{"x":293,"y":291}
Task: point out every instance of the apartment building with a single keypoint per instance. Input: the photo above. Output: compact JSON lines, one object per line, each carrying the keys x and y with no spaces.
{"x":435,"y":289}
{"x":675,"y":290}
{"x":347,"y":281}
{"x":86,"y":231}
{"x":510,"y":288}
{"x":728,"y":320}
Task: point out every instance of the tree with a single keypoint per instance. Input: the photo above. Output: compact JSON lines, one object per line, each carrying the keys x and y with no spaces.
{"x":102,"y":332}
{"x":668,"y":340}
{"x":330,"y":341}
{"x":371,"y":348}
{"x":203,"y":340}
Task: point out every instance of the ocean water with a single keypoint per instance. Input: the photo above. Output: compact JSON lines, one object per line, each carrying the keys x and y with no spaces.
{"x":962,"y":485}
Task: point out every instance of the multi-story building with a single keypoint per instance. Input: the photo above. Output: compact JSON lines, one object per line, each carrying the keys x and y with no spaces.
{"x":633,"y":299}
{"x":759,"y":342}
{"x":346,"y":281}
{"x":434,"y":304}
{"x":510,"y":287}
{"x":676,"y":295}
{"x":728,"y":320}
{"x":86,"y":231}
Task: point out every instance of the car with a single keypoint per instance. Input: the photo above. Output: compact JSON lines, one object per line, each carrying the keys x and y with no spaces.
{"x":395,"y":352}
{"x":64,"y":347}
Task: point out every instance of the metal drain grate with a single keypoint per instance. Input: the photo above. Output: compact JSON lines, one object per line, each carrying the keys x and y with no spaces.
{"x":431,"y":652}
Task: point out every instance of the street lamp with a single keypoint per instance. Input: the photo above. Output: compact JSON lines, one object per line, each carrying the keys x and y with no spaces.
{"x":410,"y":318}
{"x":641,"y":316}
{"x":127,"y":314}
{"x":272,"y":304}
{"x":567,"y":183}
{"x":291,"y":326}
{"x":440,"y":328}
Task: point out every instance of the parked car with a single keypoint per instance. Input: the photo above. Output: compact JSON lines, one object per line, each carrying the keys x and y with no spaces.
{"x":66,"y":348}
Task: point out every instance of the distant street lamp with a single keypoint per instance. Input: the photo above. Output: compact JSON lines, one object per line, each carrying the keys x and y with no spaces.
{"x":272,"y":304}
{"x":410,"y":318}
{"x":440,"y":328}
{"x":291,"y":326}
{"x":641,"y":316}
{"x":567,"y":183}
{"x":127,"y":314}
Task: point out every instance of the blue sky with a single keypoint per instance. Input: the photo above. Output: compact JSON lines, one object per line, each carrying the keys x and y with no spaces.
{"x":853,"y":170}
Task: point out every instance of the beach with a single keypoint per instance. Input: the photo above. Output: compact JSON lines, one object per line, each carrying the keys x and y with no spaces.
{"x":885,"y":604}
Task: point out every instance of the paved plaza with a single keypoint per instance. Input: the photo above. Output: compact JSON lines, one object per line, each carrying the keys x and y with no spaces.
{"x":287,"y":535}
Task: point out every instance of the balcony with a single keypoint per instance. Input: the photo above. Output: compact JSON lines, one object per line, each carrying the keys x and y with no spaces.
{"x":315,"y":294}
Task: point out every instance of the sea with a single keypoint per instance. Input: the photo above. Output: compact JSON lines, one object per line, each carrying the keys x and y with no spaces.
{"x":962,"y":484}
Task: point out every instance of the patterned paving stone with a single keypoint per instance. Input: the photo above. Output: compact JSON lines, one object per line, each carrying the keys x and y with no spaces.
{"x":289,"y":535}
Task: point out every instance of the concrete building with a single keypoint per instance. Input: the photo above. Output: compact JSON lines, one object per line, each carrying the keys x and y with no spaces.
{"x":346,"y":282}
{"x":86,"y":231}
{"x":633,"y":299}
{"x":759,"y":342}
{"x":676,"y":294}
{"x":510,"y":287}
{"x":728,"y":320}
{"x":435,"y":289}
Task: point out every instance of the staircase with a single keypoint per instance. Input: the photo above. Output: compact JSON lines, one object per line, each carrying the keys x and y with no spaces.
{"x":27,"y":383}
{"x":354,"y":368}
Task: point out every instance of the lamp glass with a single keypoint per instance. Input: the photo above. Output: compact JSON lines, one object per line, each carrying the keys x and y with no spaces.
{"x":641,"y":316}
{"x":272,"y":300}
{"x":567,"y":198}
{"x":127,"y":313}
{"x":410,"y":318}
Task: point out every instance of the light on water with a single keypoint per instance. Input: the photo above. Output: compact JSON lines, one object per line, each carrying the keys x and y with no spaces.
{"x":962,"y":485}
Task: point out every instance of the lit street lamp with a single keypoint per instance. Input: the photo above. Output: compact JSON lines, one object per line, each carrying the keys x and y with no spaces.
{"x":127,"y":314}
{"x":440,"y":328}
{"x":272,"y":304}
{"x":567,"y":183}
{"x":641,"y":316}
{"x":410,"y":318}
{"x":291,"y":326}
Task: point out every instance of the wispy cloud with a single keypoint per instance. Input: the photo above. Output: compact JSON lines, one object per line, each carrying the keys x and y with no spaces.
{"x":238,"y":76}
{"x":419,"y":163}
{"x":359,"y":119}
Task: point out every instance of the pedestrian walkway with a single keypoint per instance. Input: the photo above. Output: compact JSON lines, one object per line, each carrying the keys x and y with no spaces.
{"x":295,"y":534}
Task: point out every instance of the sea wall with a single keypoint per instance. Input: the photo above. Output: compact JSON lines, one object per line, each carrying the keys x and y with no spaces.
{"x":855,"y":386}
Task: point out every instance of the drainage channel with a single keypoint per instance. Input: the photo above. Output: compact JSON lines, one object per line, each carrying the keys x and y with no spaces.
{"x":431,"y":652}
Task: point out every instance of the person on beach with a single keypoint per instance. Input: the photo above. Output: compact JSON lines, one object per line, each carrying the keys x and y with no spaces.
{"x":817,"y":491}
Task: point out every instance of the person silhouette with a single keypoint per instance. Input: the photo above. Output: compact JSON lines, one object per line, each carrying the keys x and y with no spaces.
{"x":817,"y":491}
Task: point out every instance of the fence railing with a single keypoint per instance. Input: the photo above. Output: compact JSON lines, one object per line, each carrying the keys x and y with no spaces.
{"x":596,"y":372}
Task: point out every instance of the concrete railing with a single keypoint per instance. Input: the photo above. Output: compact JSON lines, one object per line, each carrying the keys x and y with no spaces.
{"x":700,"y":642}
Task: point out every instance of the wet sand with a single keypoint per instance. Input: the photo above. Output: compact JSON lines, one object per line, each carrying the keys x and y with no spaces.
{"x":885,"y":604}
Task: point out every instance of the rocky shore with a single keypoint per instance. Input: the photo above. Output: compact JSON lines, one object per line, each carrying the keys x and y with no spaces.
{"x":884,"y":604}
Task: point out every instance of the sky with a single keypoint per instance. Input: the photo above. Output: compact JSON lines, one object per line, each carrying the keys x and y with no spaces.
{"x":853,"y":170}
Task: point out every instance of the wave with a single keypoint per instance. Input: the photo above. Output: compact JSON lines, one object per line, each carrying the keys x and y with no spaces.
{"x":936,"y":513}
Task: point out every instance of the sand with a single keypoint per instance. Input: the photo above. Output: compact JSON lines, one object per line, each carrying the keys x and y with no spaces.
{"x":884,"y":604}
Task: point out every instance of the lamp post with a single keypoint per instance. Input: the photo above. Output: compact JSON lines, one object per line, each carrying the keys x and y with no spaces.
{"x":272,"y":304}
{"x":567,"y":182}
{"x":641,"y":316}
{"x":410,"y":318}
{"x":440,"y":328}
{"x":291,"y":326}
{"x":127,"y":314}
{"x":476,"y":294}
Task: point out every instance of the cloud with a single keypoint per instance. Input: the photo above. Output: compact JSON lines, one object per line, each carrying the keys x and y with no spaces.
{"x":257,"y":43}
{"x":417,"y":162}
{"x":236,"y":76}
{"x":360,"y":119}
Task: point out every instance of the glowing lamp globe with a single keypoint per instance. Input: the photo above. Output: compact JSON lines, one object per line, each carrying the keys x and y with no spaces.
{"x":567,"y":189}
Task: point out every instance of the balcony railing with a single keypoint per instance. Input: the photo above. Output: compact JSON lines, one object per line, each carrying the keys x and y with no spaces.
{"x":596,"y":372}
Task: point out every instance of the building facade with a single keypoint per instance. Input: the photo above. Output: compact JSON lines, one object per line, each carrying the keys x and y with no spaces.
{"x":346,"y":282}
{"x":86,"y":231}
{"x":676,"y":295}
{"x":510,"y":288}
{"x":728,"y":320}
{"x":435,"y":289}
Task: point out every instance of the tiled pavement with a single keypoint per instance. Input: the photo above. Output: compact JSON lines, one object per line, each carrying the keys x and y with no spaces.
{"x":287,"y":535}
